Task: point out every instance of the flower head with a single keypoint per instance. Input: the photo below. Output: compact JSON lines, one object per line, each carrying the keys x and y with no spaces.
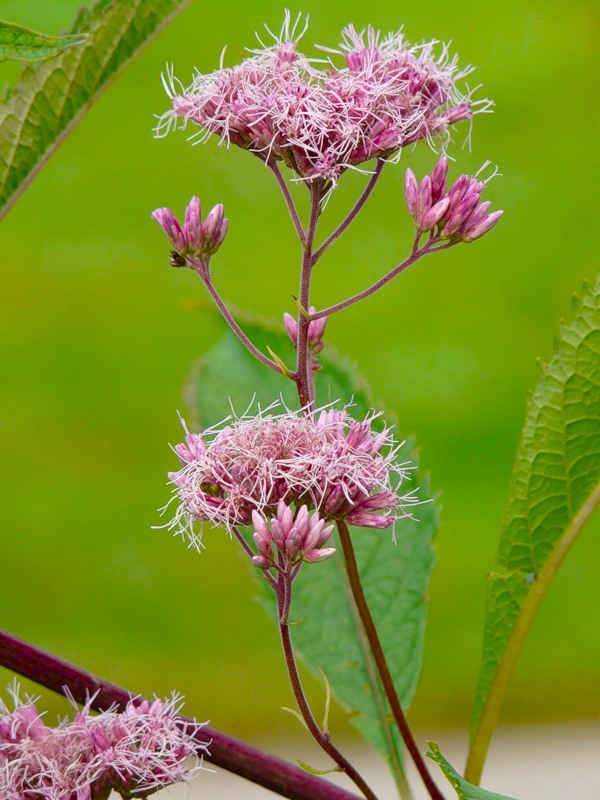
{"x":320,"y":122}
{"x":326,"y":461}
{"x":458,"y":213}
{"x":134,"y":752}
{"x":196,"y":241}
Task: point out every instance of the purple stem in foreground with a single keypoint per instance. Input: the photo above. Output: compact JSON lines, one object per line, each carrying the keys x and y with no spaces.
{"x":353,"y":213}
{"x":231,"y":754}
{"x":416,"y":254}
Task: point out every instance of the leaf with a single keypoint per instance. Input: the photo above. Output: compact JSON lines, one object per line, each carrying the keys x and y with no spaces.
{"x":464,"y":790}
{"x":314,"y":770}
{"x":554,"y":488}
{"x":26,"y":45}
{"x":395,"y":577}
{"x":51,"y":96}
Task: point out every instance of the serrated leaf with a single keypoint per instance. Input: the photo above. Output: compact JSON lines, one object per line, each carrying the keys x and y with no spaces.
{"x":23,"y":44}
{"x":554,"y":488}
{"x":395,"y":577}
{"x":464,"y":790}
{"x":51,"y":96}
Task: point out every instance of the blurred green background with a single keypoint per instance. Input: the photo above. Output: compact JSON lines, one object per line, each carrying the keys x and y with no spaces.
{"x":98,"y":334}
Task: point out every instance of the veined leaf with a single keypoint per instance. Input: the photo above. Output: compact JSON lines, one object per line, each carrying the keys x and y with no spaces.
{"x":395,"y":576}
{"x":50,"y":97}
{"x":24,"y":44}
{"x":555,"y":487}
{"x":464,"y":790}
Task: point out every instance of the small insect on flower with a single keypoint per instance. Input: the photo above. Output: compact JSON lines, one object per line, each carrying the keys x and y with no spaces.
{"x":175,"y":260}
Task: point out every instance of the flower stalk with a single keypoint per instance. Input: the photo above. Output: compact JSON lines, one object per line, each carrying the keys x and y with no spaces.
{"x":381,"y":661}
{"x":321,"y":737}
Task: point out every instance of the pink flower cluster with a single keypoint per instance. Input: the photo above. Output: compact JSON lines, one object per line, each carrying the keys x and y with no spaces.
{"x":291,"y":539}
{"x":196,"y":240}
{"x":325,"y":461}
{"x":457,"y":213}
{"x":135,"y":752}
{"x":320,"y":122}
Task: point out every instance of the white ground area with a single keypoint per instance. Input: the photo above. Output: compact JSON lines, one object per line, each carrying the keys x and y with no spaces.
{"x":554,"y":762}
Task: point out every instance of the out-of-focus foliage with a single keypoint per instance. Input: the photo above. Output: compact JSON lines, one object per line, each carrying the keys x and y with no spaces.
{"x":24,"y":44}
{"x":97,"y":334}
{"x":50,"y":97}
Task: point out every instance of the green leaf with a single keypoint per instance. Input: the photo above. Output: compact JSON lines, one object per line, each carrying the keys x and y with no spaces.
{"x":328,"y":635}
{"x":555,"y":487}
{"x":24,"y":44}
{"x":51,"y":96}
{"x":464,"y":790}
{"x":314,"y":770}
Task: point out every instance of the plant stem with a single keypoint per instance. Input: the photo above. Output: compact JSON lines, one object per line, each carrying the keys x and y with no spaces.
{"x":381,"y":662}
{"x":482,"y":736}
{"x":321,"y":737}
{"x":415,"y":255}
{"x":274,"y":167}
{"x":353,"y":213}
{"x":231,"y":754}
{"x":304,"y":373}
{"x":236,"y":328}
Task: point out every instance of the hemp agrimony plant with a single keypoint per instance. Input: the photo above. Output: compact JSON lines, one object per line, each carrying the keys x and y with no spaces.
{"x":312,"y":482}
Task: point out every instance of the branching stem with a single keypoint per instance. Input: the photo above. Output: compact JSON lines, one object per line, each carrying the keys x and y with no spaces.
{"x":274,"y":167}
{"x":353,"y":213}
{"x":304,"y":373}
{"x":415,"y":255}
{"x":236,"y":328}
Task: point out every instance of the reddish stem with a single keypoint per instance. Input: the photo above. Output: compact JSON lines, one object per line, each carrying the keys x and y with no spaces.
{"x":415,"y":255}
{"x":321,"y":737}
{"x":304,"y":374}
{"x":274,"y":167}
{"x":353,"y":213}
{"x":381,"y":661}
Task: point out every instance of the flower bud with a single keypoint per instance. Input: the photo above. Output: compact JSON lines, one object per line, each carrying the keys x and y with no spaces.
{"x":291,"y":327}
{"x":193,"y":224}
{"x":411,"y":192}
{"x":196,"y":241}
{"x":214,"y":229}
{"x":168,"y":222}
{"x":438,"y":180}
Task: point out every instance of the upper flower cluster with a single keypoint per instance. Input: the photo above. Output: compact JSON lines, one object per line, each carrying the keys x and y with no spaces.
{"x":135,"y":752}
{"x":320,"y":122}
{"x":325,"y":460}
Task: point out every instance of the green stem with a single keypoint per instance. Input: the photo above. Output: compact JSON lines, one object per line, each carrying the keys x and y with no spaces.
{"x":482,"y":736}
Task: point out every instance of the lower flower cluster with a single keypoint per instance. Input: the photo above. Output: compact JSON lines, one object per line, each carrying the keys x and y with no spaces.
{"x":325,"y":461}
{"x":134,"y":752}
